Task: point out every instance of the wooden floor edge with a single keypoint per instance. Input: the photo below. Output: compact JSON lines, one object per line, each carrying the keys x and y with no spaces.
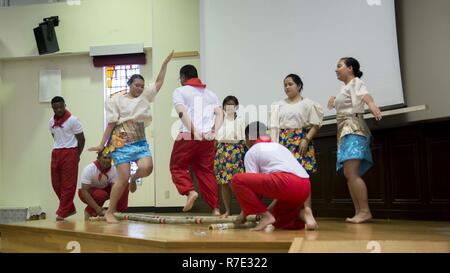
{"x":163,"y":244}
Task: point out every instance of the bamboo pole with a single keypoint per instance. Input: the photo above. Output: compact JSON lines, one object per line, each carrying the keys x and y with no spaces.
{"x":159,"y":219}
{"x":225,"y":226}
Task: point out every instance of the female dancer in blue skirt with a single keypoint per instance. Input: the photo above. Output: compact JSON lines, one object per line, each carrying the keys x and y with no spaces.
{"x":354,"y":154}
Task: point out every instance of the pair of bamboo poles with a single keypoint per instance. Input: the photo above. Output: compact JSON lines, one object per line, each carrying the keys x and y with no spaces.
{"x":214,"y":222}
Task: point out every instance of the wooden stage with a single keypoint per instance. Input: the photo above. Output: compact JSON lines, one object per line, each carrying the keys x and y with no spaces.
{"x":334,"y":235}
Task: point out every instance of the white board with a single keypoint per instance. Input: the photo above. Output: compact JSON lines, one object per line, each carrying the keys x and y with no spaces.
{"x":248,"y":47}
{"x":49,"y":84}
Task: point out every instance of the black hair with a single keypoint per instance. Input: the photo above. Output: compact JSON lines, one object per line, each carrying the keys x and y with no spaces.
{"x":133,"y":78}
{"x":230,"y":98}
{"x":296,"y":78}
{"x":352,"y":62}
{"x":188,"y":72}
{"x":58,"y":99}
{"x":255,"y":130}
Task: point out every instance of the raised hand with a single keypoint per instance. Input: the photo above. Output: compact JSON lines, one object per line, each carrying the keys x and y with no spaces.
{"x":169,"y":57}
{"x":376,"y":112}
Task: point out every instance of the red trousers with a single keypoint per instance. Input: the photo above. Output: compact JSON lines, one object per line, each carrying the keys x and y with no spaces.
{"x":290,"y":190}
{"x":101,"y":195}
{"x":198,"y":155}
{"x":64,"y":173}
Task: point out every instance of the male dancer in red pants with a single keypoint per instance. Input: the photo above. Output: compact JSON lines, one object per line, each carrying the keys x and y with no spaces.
{"x":95,"y":186}
{"x":68,"y":145}
{"x":273,"y":172}
{"x":201,"y":114}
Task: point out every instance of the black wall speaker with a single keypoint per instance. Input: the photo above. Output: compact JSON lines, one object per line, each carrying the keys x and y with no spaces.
{"x":45,"y":36}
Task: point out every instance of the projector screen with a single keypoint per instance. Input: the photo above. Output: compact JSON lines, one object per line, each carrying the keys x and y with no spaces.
{"x":248,"y":47}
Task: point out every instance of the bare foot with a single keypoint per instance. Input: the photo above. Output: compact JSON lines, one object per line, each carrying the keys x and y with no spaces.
{"x":307,"y":216}
{"x":216,"y":212}
{"x":132,"y":185}
{"x":359,"y":218}
{"x":110,"y":218}
{"x":190,"y":201}
{"x":240,"y":219}
{"x":266,"y":219}
{"x":225,"y":215}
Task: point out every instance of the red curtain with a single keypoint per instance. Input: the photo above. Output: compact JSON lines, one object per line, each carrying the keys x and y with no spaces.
{"x":122,"y":59}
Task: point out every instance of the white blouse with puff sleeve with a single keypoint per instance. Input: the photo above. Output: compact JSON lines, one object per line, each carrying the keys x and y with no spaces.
{"x":350,"y":98}
{"x":121,"y":108}
{"x":302,"y":114}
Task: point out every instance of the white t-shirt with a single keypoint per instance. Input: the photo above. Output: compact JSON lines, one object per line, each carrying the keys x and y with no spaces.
{"x":65,"y":137}
{"x":121,"y":108}
{"x":90,"y":174}
{"x":200,"y":104}
{"x":232,"y":131}
{"x":302,"y":114}
{"x":270,"y":157}
{"x":350,"y":98}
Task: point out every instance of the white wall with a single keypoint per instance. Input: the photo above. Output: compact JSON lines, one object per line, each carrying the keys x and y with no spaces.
{"x":94,"y":22}
{"x":26,"y":172}
{"x":424,"y":42}
{"x":176,"y":26}
{"x":28,"y":143}
{"x":1,"y":126}
{"x":25,"y":140}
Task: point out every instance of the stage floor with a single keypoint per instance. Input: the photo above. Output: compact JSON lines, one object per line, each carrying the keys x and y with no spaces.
{"x":127,"y":236}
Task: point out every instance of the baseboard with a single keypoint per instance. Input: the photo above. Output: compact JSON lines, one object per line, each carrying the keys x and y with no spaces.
{"x":422,"y":215}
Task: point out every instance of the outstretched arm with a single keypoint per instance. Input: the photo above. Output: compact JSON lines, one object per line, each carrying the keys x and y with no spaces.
{"x":105,"y":137}
{"x":162,"y":73}
{"x":368,"y":99}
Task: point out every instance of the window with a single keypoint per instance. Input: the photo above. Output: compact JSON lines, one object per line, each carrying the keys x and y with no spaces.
{"x":116,"y":77}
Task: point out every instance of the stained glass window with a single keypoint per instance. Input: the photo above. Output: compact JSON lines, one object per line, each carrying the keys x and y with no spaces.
{"x":116,"y":77}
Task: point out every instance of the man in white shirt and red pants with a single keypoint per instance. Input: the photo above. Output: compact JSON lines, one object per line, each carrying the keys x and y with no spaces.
{"x":94,"y":188}
{"x":273,"y":172}
{"x":68,"y":145}
{"x":201,"y":114}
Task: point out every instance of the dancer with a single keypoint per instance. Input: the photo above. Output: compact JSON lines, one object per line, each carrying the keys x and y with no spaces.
{"x":230,"y":152}
{"x":272,"y":172}
{"x":295,"y":121}
{"x":201,"y":115}
{"x":95,"y":186}
{"x":127,"y":116}
{"x":354,"y":154}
